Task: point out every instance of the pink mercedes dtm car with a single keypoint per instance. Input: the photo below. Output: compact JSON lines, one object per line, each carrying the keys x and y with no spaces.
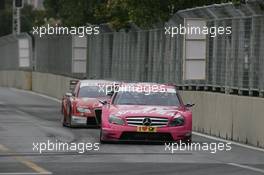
{"x":146,"y":112}
{"x":82,"y":107}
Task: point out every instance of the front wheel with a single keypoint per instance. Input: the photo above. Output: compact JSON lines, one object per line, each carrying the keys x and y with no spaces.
{"x":64,"y":118}
{"x":101,"y":140}
{"x":63,"y":121}
{"x":70,"y":121}
{"x":68,"y":118}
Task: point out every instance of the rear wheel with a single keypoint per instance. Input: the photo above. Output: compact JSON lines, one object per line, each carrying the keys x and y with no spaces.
{"x":63,"y":118}
{"x":68,"y":117}
{"x":70,"y":120}
{"x":101,"y":140}
{"x":63,"y":121}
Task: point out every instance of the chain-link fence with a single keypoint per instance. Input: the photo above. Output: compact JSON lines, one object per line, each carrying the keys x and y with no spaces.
{"x":53,"y":54}
{"x":136,"y":55}
{"x":234,"y":63}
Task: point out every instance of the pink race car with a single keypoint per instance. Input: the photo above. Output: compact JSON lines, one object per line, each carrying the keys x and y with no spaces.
{"x":146,"y":112}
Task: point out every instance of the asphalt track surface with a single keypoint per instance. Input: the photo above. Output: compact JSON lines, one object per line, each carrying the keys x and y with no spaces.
{"x":27,"y":118}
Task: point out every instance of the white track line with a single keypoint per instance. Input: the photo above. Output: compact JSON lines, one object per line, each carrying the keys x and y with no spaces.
{"x":228,"y":141}
{"x":38,"y":94}
{"x":247,"y":167}
{"x":22,"y":173}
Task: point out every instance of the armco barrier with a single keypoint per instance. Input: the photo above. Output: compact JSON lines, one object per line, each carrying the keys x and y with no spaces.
{"x":231,"y":117}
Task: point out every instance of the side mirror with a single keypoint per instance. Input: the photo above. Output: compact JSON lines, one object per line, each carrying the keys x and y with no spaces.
{"x":73,"y":83}
{"x":110,"y":93}
{"x":68,"y":94}
{"x":189,"y":105}
{"x":103,"y":102}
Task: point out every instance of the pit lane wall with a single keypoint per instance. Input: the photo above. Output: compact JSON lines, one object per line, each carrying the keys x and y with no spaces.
{"x":231,"y":117}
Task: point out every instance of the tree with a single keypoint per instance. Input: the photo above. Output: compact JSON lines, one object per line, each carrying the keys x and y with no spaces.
{"x":72,"y":13}
{"x":145,"y":13}
{"x":6,"y":19}
{"x":31,"y":17}
{"x":119,"y":13}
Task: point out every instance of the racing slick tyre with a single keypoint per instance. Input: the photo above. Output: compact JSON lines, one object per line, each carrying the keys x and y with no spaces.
{"x":64,"y":118}
{"x":67,"y":118}
{"x":63,"y":121}
{"x":101,"y":140}
{"x":70,"y":121}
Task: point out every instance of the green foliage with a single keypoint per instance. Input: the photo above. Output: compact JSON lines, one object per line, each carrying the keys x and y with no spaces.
{"x":145,"y":13}
{"x":72,"y":13}
{"x":114,"y":12}
{"x":117,"y":13}
{"x":6,"y":19}
{"x":31,"y":17}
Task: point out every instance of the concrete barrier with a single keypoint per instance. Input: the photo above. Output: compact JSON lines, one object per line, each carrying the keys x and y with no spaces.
{"x":50,"y":84}
{"x":17,"y":79}
{"x":232,"y":117}
{"x":44,"y":83}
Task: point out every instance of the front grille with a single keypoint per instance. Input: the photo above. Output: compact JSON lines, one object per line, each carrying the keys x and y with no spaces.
{"x":155,"y":121}
{"x":141,"y":136}
{"x":98,"y":113}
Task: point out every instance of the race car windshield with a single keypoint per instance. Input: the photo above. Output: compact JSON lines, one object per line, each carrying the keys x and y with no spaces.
{"x":152,"y":99}
{"x":91,"y":92}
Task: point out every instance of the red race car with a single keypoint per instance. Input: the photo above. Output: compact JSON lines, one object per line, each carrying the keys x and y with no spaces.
{"x":82,"y":106}
{"x":146,"y":112}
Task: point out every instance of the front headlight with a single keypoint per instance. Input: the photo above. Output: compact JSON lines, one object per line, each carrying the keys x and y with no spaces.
{"x":83,"y":110}
{"x":178,"y":120}
{"x":116,"y":120}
